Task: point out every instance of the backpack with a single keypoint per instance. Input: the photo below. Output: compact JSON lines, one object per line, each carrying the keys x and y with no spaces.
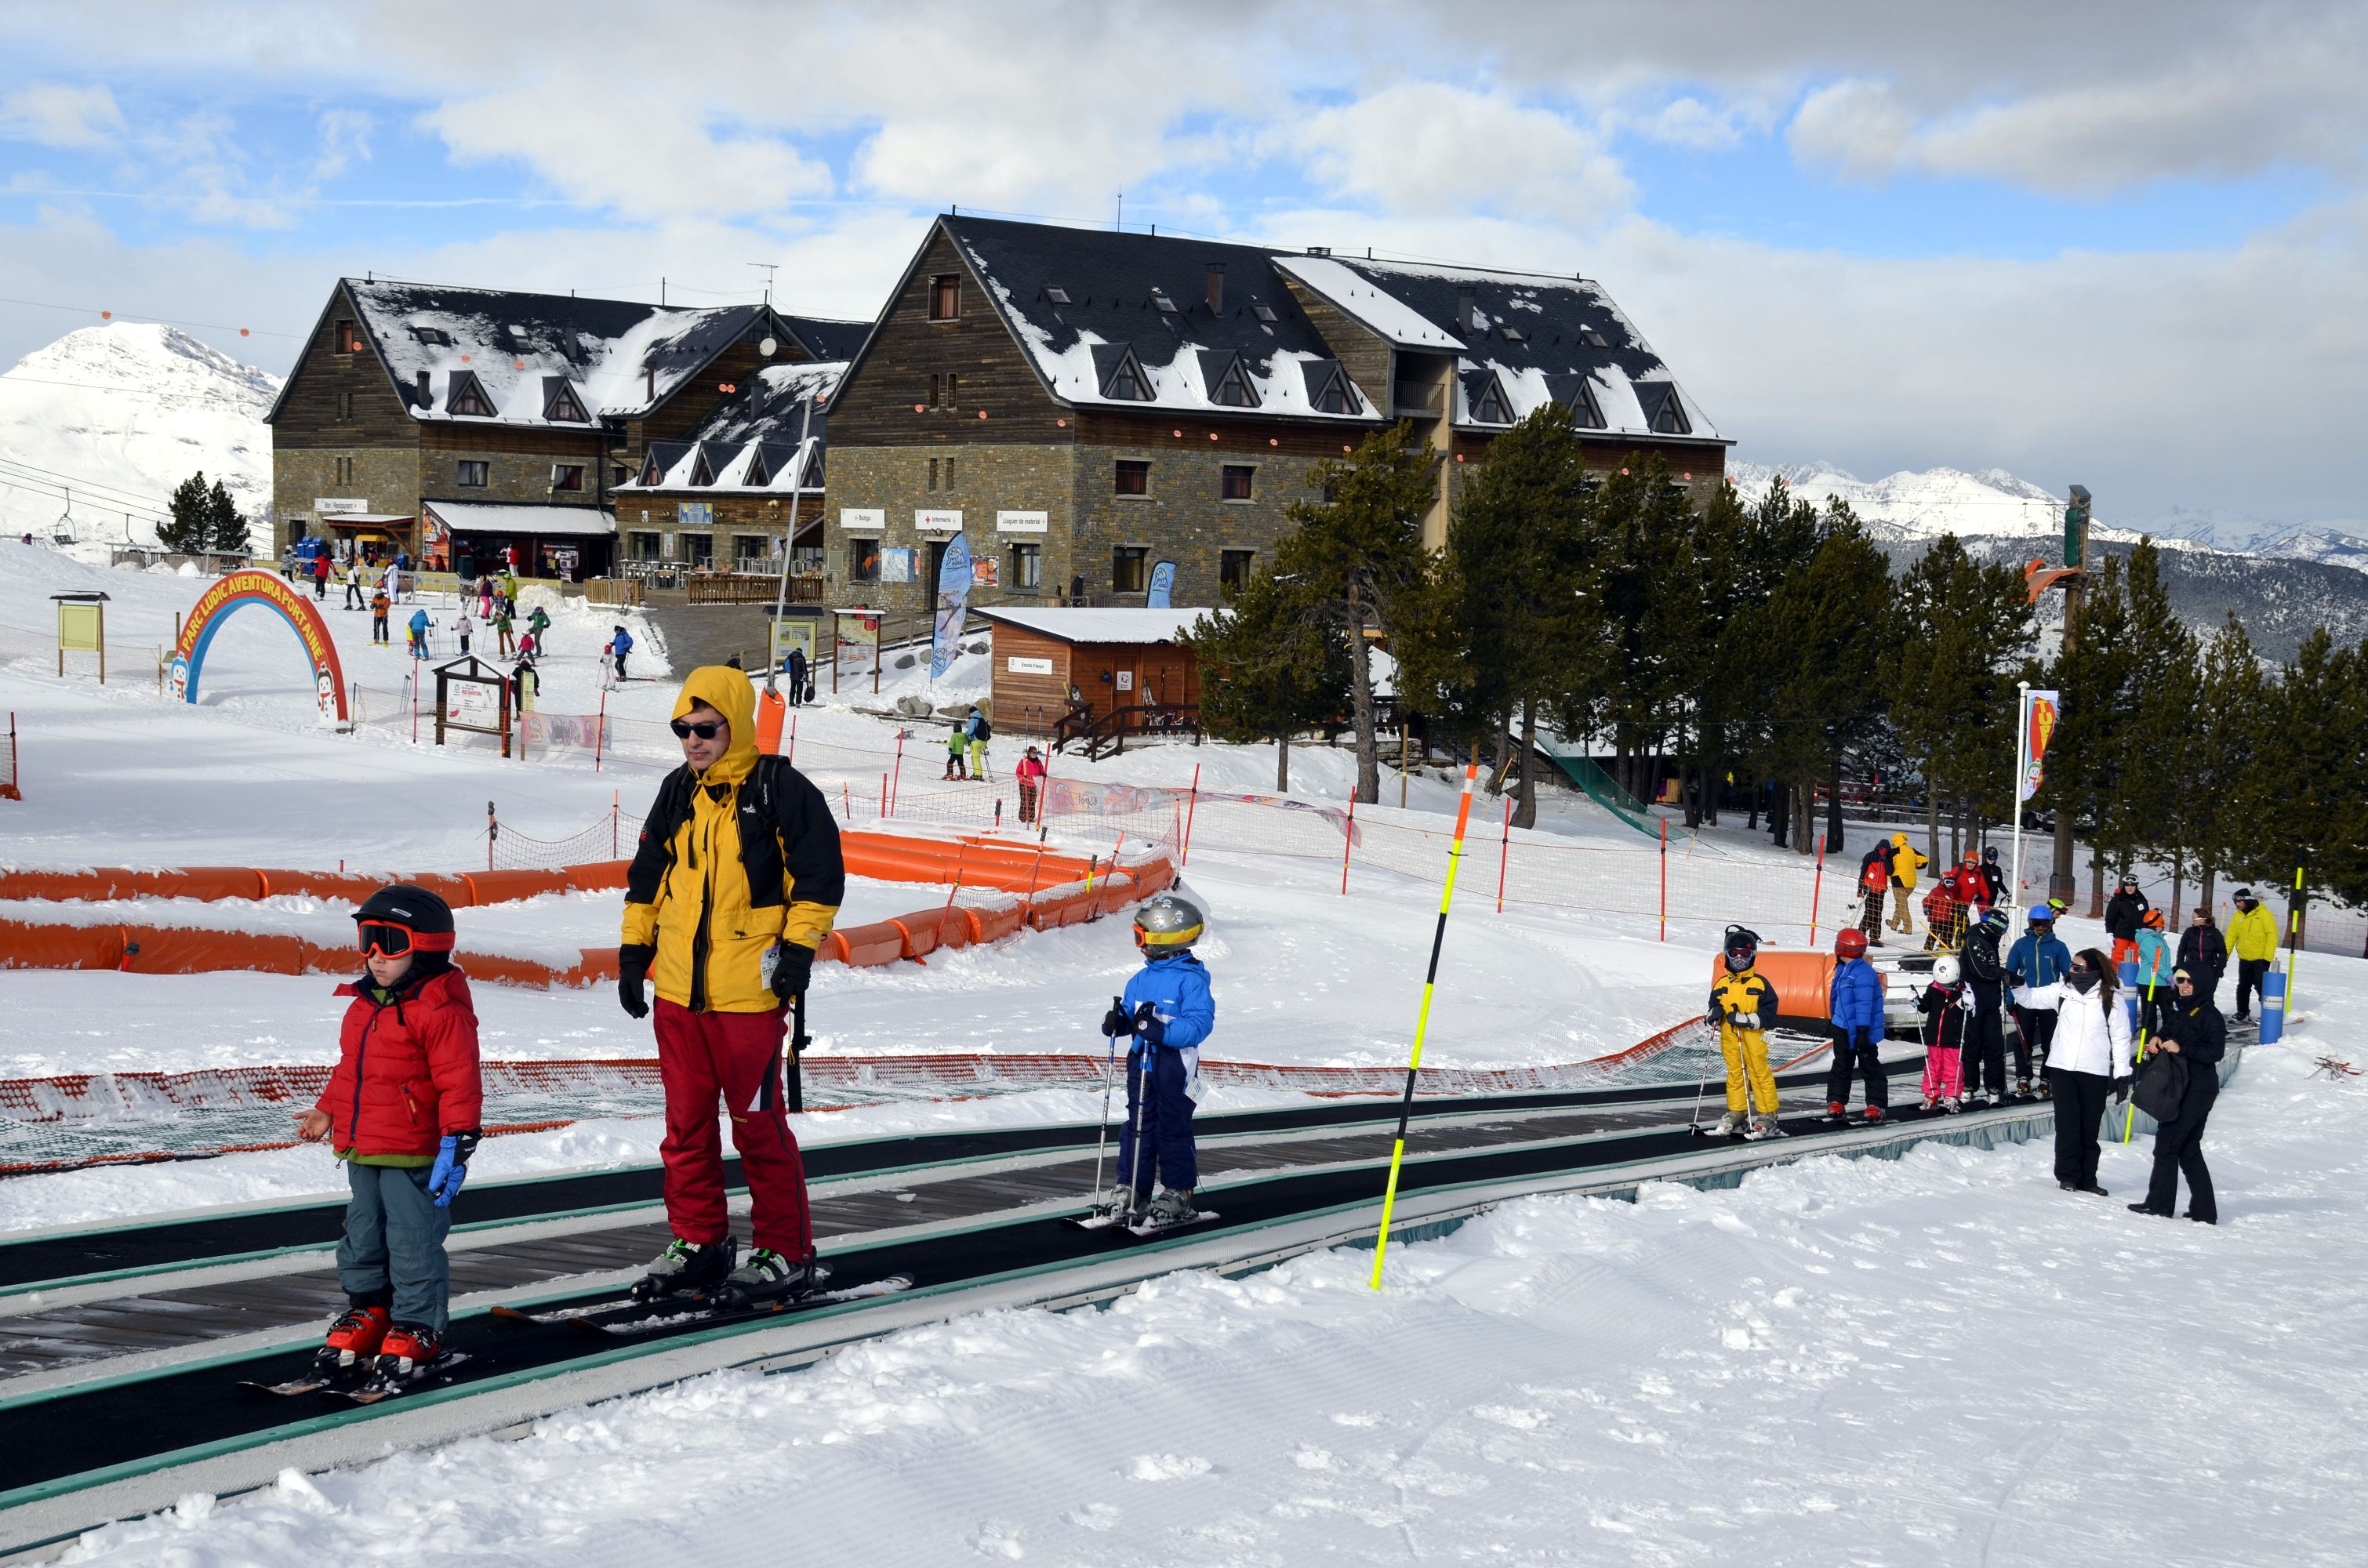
{"x":985,"y":730}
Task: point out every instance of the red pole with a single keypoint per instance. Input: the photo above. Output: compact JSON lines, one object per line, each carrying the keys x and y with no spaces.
{"x":1816,"y":887}
{"x":1664,"y":878}
{"x":1191,"y":802}
{"x":1504,"y":853}
{"x":899,"y":786}
{"x":1348,"y":837}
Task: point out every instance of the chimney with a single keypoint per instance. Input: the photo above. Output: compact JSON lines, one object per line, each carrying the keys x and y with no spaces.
{"x":427,"y":399}
{"x":1216,"y":288}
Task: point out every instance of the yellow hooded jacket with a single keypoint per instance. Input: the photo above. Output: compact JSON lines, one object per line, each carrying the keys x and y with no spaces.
{"x":2253,"y":933}
{"x":731,"y":862}
{"x":1904,"y":866}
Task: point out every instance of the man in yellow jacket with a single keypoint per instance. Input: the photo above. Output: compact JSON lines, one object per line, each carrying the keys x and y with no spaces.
{"x":1904,"y":867}
{"x":2253,"y":938}
{"x":1743,"y":1006}
{"x":734,"y":885}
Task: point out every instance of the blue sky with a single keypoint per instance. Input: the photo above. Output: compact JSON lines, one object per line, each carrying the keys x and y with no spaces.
{"x":2122,"y":241}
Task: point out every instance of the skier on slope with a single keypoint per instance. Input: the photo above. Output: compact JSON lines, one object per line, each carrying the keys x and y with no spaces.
{"x":1167,"y":1011}
{"x":404,"y":1109}
{"x":1994,"y":874}
{"x":2035,"y":967}
{"x":2123,"y":912}
{"x":1906,"y":862}
{"x":2253,"y":937}
{"x":2155,"y":963}
{"x":1743,"y":1006}
{"x":1874,"y":879}
{"x":1854,"y":1019}
{"x":1948,"y":1009}
{"x":735,"y":883}
{"x":1984,"y":975}
{"x":2204,"y":952}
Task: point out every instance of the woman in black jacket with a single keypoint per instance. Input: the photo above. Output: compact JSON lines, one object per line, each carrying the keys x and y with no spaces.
{"x":2194,"y":1030}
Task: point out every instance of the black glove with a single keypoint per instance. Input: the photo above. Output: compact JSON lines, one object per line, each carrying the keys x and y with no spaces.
{"x":1147,"y":1025}
{"x":633,"y":979}
{"x":2121,"y":1089}
{"x":792,"y":970}
{"x":1116,"y":1023}
{"x":1863,"y":1040}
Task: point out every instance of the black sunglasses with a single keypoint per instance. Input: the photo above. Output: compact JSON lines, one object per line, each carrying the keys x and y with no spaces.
{"x":683,"y":732}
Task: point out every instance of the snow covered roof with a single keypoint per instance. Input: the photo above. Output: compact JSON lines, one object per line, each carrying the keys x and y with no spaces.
{"x":1125,"y":321}
{"x":750,"y":445}
{"x":1541,"y":338}
{"x":466,"y":518}
{"x":554,"y":360}
{"x":1099,"y":625}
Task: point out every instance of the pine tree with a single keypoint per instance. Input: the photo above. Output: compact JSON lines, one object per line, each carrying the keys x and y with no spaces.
{"x":1358,"y":551}
{"x":190,"y":526}
{"x":2085,"y":759}
{"x":1272,"y":663}
{"x":2218,"y":764}
{"x":226,"y":530}
{"x":2310,"y":811}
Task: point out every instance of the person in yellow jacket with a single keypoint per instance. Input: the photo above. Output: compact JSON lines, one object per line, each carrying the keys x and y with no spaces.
{"x":735,"y":884}
{"x":2253,"y":938}
{"x":1743,"y":1006}
{"x":1904,"y":867}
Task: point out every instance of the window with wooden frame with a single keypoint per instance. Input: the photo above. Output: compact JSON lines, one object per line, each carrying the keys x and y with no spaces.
{"x":565,"y":409}
{"x":1234,"y":389}
{"x":933,"y":473}
{"x":697,"y":550}
{"x":1028,"y":567}
{"x":567,"y":476}
{"x":1233,"y":568}
{"x":1234,"y":480}
{"x":349,"y":338}
{"x":474,"y":472}
{"x":1134,"y":478}
{"x":467,"y":398}
{"x":345,"y":405}
{"x":1336,"y":397}
{"x":945,"y":297}
{"x":1130,"y":568}
{"x":863,"y":560}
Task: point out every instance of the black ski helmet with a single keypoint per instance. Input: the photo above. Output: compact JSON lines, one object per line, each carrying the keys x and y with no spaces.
{"x":425,"y":919}
{"x":1741,"y":948}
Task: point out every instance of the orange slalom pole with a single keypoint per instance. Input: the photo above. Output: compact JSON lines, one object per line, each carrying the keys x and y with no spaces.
{"x":1422,"y":1021}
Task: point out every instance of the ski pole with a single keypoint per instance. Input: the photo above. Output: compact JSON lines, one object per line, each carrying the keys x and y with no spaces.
{"x":1139,"y":1190}
{"x":1702,"y":1085}
{"x":1109,"y":1072}
{"x":795,"y":1098}
{"x":2130,"y":1112}
{"x":1422,"y":1020}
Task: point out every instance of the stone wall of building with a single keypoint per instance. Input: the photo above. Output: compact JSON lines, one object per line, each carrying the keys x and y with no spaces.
{"x":384,"y":477}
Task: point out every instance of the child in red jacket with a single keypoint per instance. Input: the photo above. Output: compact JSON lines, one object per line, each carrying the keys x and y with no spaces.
{"x":404,"y":1111}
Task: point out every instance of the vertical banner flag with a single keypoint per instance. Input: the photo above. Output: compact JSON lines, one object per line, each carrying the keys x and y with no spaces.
{"x":2039,"y":714}
{"x":953,"y":603}
{"x":1163,"y":585}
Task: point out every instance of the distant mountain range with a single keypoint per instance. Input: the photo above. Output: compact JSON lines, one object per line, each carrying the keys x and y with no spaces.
{"x":99,"y":428}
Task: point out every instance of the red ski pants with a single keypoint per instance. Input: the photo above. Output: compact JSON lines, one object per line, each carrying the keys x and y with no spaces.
{"x":738,"y":1056}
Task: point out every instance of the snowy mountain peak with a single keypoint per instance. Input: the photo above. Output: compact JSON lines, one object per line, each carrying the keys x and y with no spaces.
{"x":98,"y":428}
{"x":1919,"y":506}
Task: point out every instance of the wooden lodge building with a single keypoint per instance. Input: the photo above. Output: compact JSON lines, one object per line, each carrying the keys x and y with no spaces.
{"x":454,"y":423}
{"x":1079,"y":404}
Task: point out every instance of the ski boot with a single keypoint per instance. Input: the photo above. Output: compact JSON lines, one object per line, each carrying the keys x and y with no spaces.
{"x":1951,"y":1104}
{"x":1836,"y":1112}
{"x":2023,"y":1088}
{"x":1171,"y":1207}
{"x":685,"y":1267}
{"x":354,"y":1339}
{"x":767,"y":1276}
{"x":2046,"y":1090}
{"x":1765,"y":1127}
{"x":1874,"y":1113}
{"x":1927,"y":1103}
{"x":408,"y":1349}
{"x":1729,"y":1126}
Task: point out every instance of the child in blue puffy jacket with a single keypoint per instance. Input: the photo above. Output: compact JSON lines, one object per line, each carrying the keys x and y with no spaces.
{"x":1855,"y":1019}
{"x":1168,"y":1012}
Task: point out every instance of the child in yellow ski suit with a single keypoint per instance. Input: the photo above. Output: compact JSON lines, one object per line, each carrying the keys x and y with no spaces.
{"x":1743,"y":1006}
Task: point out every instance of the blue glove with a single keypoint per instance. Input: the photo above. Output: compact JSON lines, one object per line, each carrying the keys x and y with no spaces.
{"x":1149,"y":1025}
{"x":451,"y":1166}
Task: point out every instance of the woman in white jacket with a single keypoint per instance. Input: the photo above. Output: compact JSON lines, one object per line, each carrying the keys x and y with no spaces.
{"x":2090,"y":1054}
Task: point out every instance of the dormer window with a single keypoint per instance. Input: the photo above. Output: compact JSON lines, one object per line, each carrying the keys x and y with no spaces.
{"x":1488,"y":403}
{"x":561,"y":406}
{"x":1234,"y":390}
{"x":1328,"y":389}
{"x":1671,"y":420}
{"x":1585,"y":412}
{"x":758,"y":474}
{"x":652,"y":474}
{"x":699,"y":472}
{"x":467,"y":397}
{"x":1122,"y":374}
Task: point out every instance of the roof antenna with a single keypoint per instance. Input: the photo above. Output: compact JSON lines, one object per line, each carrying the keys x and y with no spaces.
{"x":1120,"y":225}
{"x":769,"y":268}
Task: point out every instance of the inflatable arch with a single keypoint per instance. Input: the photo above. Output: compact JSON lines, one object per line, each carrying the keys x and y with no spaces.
{"x":252,"y":585}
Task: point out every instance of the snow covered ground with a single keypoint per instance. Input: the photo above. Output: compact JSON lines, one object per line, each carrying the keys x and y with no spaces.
{"x":1938,"y":1360}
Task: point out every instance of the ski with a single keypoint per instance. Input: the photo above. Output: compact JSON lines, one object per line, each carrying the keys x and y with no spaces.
{"x":1145,"y":1232}
{"x":295,"y":1387}
{"x":610,"y":1319}
{"x":376,"y":1389}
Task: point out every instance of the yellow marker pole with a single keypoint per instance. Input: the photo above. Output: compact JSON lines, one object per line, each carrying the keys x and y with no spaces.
{"x":2130,"y":1113}
{"x":1422,"y":1019}
{"x":2293,"y":941}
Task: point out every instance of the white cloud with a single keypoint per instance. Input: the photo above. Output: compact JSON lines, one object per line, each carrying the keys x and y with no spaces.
{"x":1427,"y":148}
{"x":344,"y":139}
{"x":1857,"y":129}
{"x":58,"y":114}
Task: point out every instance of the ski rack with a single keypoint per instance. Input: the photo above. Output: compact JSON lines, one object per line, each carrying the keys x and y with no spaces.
{"x":183,"y":1428}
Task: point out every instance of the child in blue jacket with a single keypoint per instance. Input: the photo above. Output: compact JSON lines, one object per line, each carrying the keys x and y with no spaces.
{"x":1855,"y":1021}
{"x":1168,"y":1011}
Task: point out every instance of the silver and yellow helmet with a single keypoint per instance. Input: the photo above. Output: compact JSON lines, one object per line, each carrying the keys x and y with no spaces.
{"x":1169,"y":922}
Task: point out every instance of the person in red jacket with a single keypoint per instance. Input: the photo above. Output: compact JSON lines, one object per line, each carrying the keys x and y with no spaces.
{"x":1030,"y":774}
{"x":404,"y":1109}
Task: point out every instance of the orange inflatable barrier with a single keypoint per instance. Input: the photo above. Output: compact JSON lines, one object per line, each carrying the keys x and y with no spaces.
{"x":1804,"y":983}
